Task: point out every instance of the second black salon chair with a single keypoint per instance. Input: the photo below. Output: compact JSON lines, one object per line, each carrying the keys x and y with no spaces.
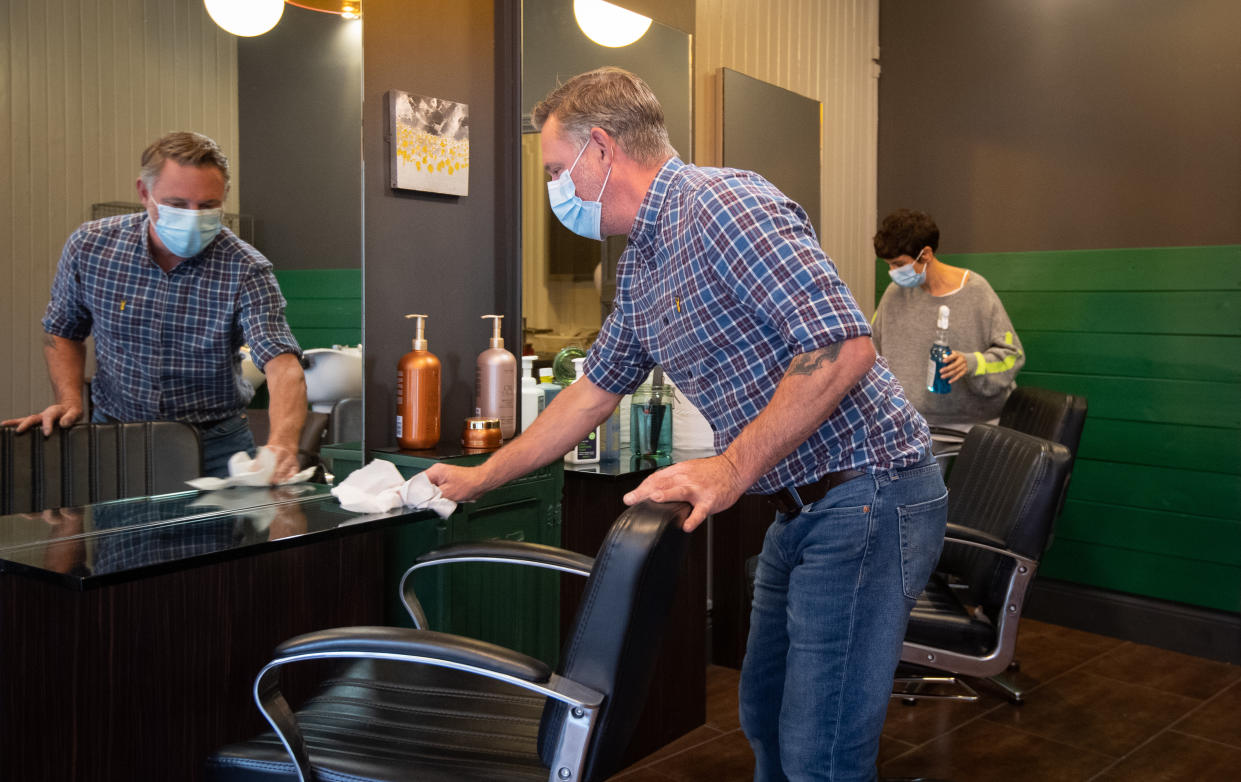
{"x":422,"y":705}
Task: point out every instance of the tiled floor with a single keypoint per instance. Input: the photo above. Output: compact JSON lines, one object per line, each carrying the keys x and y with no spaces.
{"x":1097,"y":709}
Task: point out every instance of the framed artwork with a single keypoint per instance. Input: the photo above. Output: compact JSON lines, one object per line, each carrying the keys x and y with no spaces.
{"x":430,"y":144}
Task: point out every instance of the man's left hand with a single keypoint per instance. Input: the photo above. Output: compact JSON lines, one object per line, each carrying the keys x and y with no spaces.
{"x":710,"y":485}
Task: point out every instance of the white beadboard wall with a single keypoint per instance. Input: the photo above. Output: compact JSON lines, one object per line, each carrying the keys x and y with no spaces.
{"x":85,"y":85}
{"x":825,"y":50}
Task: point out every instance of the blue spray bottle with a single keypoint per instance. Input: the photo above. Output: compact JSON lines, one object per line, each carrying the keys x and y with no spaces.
{"x":939,"y":353}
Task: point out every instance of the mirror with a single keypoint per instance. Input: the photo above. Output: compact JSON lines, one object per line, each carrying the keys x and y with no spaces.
{"x":568,"y":282}
{"x":94,"y":81}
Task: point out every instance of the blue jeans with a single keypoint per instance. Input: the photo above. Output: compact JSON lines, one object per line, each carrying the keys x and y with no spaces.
{"x":219,"y":442}
{"x":832,"y":595}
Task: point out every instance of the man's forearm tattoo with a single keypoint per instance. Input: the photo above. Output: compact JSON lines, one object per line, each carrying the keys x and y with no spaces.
{"x":809,"y":363}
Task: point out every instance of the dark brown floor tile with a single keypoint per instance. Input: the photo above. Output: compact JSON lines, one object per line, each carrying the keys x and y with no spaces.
{"x":722,"y":697}
{"x":1176,"y":757}
{"x":1217,"y":719}
{"x":699,"y":735}
{"x":926,"y":719}
{"x":1173,"y":672}
{"x":722,"y":759}
{"x":983,"y":751}
{"x":890,"y":748}
{"x":1095,"y":713}
{"x":1045,"y":651}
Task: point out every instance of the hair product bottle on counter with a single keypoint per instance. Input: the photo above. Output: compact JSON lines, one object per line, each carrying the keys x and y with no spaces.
{"x":939,"y":351}
{"x":495,"y":381}
{"x":531,"y":395}
{"x":418,"y":393}
{"x":586,"y":451}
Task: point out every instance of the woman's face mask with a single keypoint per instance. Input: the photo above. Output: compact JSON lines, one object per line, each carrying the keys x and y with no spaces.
{"x":907,"y":276}
{"x":580,"y":217}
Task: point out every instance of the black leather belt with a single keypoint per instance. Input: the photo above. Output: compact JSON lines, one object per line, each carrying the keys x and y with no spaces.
{"x":785,"y":502}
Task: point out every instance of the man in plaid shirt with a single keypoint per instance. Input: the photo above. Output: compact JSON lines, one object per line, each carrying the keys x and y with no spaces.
{"x":170,"y":296}
{"x":724,"y":285}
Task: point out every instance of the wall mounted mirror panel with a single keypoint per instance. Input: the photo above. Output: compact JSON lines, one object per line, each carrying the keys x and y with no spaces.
{"x":92,"y":82}
{"x":568,"y":282}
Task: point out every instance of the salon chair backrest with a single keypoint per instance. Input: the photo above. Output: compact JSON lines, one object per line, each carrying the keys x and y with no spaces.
{"x":612,"y":645}
{"x":1006,"y":484}
{"x":94,"y":463}
{"x":1052,"y":415}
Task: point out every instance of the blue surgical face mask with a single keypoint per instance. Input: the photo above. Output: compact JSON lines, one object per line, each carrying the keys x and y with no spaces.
{"x":185,"y":232}
{"x":580,"y":217}
{"x":906,"y":276}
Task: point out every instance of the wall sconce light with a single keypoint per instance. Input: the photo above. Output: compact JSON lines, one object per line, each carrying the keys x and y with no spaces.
{"x":609,"y":25}
{"x":249,"y":18}
{"x":245,"y":18}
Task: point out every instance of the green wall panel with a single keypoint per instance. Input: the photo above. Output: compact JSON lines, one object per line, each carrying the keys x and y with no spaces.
{"x":1201,"y":448}
{"x":1197,"y":403}
{"x":1182,"y":579}
{"x":1152,"y":531}
{"x":1131,"y":269}
{"x":1159,"y":488}
{"x":1168,"y":356}
{"x":1154,"y":312}
{"x":324,"y":305}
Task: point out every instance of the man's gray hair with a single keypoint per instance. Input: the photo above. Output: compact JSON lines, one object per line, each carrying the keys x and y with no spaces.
{"x":186,"y":148}
{"x":617,"y":101}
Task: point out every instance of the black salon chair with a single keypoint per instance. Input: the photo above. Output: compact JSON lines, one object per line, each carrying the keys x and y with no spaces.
{"x":95,"y":462}
{"x":1004,"y":494}
{"x":1042,"y":412}
{"x":422,"y":705}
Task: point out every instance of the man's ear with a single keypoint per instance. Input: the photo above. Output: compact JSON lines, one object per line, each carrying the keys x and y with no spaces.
{"x":600,"y":138}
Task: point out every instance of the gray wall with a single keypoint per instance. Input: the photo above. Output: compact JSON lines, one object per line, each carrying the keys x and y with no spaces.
{"x":300,"y":116}
{"x":1057,"y":124}
{"x":452,"y":258}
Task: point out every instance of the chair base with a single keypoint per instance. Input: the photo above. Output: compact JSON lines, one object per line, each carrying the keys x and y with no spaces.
{"x":913,"y":688}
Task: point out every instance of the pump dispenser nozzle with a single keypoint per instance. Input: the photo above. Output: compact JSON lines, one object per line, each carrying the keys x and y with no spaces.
{"x":497,"y":341}
{"x":420,"y":342}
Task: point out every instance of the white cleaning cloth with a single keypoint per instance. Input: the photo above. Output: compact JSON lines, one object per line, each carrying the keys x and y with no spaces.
{"x":378,"y":487}
{"x":244,"y":471}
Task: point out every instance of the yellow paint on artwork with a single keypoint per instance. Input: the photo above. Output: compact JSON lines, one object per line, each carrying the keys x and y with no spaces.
{"x":419,"y":149}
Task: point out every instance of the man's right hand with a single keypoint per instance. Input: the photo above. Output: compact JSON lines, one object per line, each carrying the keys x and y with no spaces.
{"x":54,"y":415}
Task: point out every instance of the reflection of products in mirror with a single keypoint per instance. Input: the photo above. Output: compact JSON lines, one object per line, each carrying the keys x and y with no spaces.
{"x":637,"y":462}
{"x":650,"y":421}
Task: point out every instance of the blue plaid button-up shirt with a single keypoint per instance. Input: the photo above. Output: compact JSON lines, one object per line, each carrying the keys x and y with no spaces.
{"x":166,"y":343}
{"x":722,"y":284}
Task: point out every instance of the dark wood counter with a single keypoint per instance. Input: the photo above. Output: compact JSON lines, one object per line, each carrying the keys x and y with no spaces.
{"x":131,"y":632}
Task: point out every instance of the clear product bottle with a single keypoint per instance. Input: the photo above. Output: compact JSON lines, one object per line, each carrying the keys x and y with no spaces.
{"x":939,"y":353}
{"x":586,"y":451}
{"x":418,"y":393}
{"x":531,"y":395}
{"x":495,"y":381}
{"x":650,"y":419}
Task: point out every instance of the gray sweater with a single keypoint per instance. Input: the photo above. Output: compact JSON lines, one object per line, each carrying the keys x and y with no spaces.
{"x":978,"y":327}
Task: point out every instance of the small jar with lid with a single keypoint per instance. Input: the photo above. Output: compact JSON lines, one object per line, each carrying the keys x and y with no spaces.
{"x":480,"y":434}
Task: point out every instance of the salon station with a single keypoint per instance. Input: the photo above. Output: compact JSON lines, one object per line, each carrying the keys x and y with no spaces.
{"x":276,"y":271}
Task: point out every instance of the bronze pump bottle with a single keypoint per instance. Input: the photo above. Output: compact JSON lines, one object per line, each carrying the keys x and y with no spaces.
{"x":418,"y":394}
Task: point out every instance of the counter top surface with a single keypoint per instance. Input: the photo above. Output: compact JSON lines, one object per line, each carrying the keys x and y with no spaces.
{"x":108,"y":542}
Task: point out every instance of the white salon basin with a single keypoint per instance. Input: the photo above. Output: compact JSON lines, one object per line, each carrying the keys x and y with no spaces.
{"x":249,"y":371}
{"x":334,"y":374}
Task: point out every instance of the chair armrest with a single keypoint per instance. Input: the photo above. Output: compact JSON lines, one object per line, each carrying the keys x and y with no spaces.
{"x":447,"y":648}
{"x":976,"y":538}
{"x":507,"y":552}
{"x":416,"y":647}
